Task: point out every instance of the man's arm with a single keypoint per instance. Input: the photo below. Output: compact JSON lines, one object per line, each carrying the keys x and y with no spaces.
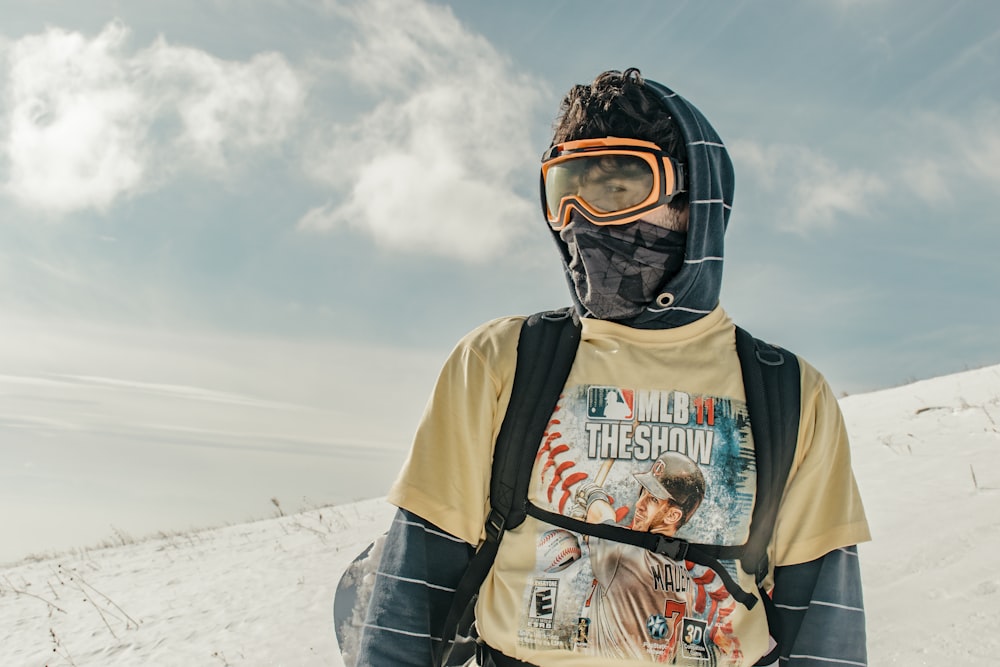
{"x":822,"y":612}
{"x":414,"y":586}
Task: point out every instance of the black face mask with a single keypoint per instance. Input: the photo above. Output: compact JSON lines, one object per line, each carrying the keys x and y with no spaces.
{"x":619,"y":270}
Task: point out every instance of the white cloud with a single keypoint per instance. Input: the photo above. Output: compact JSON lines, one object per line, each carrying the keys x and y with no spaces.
{"x":978,"y":145}
{"x":941,"y":158}
{"x":87,"y":122}
{"x":75,"y":136}
{"x":433,"y":166}
{"x":927,"y":179}
{"x":223,"y":106}
{"x":933,"y":158}
{"x":810,"y":190}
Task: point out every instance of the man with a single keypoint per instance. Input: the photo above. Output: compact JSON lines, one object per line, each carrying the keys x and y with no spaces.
{"x":637,"y":190}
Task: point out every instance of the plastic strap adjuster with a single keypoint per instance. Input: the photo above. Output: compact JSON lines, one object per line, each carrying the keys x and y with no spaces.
{"x":762,"y":568}
{"x":671,"y":547}
{"x":495,"y":524}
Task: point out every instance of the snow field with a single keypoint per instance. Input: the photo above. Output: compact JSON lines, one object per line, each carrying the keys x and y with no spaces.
{"x":260,"y":593}
{"x":927,"y":458}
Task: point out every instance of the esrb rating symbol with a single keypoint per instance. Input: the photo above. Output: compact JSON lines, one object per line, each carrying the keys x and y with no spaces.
{"x":543,"y":602}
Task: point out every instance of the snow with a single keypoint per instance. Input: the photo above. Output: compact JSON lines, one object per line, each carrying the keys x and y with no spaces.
{"x":927,"y":458}
{"x":260,"y":593}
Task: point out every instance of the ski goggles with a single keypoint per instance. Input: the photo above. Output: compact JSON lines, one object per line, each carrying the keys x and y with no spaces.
{"x":609,"y":181}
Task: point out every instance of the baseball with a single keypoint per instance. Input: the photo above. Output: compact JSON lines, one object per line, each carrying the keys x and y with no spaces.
{"x":557,"y":549}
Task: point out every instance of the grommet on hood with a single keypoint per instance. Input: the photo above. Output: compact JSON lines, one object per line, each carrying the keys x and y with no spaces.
{"x":694,"y":290}
{"x":665,"y":300}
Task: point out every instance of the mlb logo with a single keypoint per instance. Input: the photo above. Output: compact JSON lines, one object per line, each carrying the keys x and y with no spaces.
{"x":610,"y":403}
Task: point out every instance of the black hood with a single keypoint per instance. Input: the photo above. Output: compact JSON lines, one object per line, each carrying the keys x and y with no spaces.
{"x":695,"y":288}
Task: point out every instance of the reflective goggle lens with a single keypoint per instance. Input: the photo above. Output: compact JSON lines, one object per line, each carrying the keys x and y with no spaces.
{"x":606,"y":183}
{"x":609,"y":181}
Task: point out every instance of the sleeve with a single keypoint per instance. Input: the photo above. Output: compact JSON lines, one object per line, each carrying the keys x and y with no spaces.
{"x":821,"y":611}
{"x":414,"y":586}
{"x":821,"y":509}
{"x":446,"y":477}
{"x":605,"y":556}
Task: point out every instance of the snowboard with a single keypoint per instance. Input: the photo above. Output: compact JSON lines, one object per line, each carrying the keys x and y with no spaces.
{"x":350,"y":602}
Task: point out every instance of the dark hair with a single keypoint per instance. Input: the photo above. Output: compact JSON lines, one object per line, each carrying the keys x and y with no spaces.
{"x":618,"y":104}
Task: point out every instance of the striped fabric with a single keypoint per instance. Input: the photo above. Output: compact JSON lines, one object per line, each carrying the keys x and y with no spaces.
{"x":821,"y":607}
{"x":413,"y":589}
{"x":819,"y":602}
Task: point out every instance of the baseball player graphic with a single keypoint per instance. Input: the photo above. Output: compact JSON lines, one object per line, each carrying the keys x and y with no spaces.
{"x":641,"y":598}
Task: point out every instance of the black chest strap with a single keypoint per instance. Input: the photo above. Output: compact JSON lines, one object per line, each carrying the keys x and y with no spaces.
{"x":673,"y":548}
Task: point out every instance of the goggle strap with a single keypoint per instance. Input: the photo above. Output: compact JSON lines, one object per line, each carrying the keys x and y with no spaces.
{"x":680,"y":176}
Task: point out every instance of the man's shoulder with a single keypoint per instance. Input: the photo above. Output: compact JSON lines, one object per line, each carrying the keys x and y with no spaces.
{"x":493,"y":340}
{"x":813,"y":381}
{"x":500,"y":327}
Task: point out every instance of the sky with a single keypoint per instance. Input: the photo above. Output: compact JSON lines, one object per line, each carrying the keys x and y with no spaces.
{"x":238,"y":239}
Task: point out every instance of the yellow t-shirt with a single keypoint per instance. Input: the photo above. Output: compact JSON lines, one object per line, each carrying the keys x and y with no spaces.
{"x":558,"y":599}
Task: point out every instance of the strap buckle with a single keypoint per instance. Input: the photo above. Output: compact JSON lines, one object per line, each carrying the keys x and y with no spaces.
{"x":768,"y":355}
{"x":671,"y":547}
{"x":495,"y":525}
{"x":762,"y":567}
{"x":556,"y":315}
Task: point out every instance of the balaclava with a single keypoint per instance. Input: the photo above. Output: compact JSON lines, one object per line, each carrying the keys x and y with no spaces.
{"x":643,"y":275}
{"x":617,"y":270}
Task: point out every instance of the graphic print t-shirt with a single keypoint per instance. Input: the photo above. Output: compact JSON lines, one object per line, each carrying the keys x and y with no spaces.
{"x":556,"y":598}
{"x":613,"y":600}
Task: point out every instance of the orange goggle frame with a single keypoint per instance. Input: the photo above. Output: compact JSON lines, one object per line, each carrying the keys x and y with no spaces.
{"x":560,"y":196}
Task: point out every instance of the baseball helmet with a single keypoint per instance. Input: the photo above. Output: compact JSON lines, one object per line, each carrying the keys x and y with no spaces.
{"x":675,"y":477}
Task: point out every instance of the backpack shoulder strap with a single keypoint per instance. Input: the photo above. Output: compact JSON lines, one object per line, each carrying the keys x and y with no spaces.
{"x":545,"y":351}
{"x":773,"y":390}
